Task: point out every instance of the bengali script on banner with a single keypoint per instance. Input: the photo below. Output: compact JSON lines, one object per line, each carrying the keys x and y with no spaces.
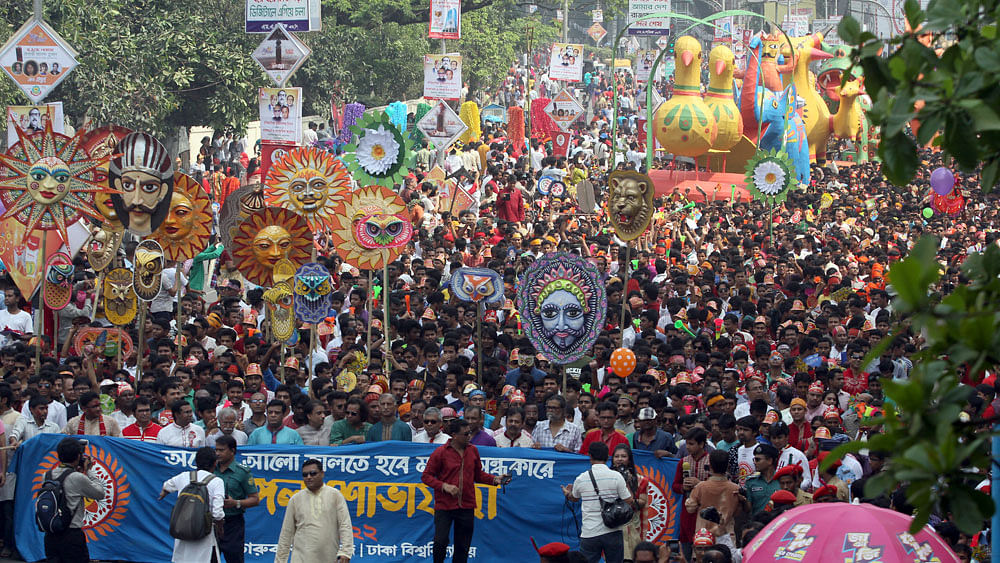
{"x":391,"y":509}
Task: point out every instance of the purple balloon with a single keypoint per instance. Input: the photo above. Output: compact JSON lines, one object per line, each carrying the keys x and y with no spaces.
{"x":942,"y":180}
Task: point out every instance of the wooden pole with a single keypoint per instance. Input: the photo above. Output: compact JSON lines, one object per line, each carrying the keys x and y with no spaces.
{"x":177,"y":296}
{"x":624,"y":270}
{"x":368,"y":311}
{"x":142,"y":338}
{"x":479,"y":342}
{"x":40,"y":317}
{"x":385,"y":302}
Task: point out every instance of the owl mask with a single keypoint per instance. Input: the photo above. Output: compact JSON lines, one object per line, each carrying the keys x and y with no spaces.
{"x":120,"y":304}
{"x":103,"y":247}
{"x":58,"y":287}
{"x":479,"y":285}
{"x":379,"y":230}
{"x":148,"y":267}
{"x":280,"y":310}
{"x":313,"y":293}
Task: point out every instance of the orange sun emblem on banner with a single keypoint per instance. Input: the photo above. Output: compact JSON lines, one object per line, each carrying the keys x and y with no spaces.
{"x":102,"y":516}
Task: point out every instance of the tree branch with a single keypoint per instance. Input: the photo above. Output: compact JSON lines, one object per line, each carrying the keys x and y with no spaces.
{"x":419,"y":13}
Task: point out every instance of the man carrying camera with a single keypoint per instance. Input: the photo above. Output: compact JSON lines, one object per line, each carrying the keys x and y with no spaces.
{"x":595,"y":537}
{"x":70,"y":546}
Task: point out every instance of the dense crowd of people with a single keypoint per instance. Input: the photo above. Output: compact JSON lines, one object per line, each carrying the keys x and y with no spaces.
{"x":750,"y":330}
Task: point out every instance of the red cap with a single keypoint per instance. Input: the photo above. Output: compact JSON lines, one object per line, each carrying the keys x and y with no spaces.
{"x":782,"y":496}
{"x":825,"y":491}
{"x":554,"y":549}
{"x":793,"y":470}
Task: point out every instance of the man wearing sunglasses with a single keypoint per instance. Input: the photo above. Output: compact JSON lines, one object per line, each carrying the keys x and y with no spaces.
{"x":431,"y":432}
{"x":453,"y":471}
{"x":317,"y":524}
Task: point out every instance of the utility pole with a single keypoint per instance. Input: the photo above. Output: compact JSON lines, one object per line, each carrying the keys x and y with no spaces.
{"x":565,"y":20}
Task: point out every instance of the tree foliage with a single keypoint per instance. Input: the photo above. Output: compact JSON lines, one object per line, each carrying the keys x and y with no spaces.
{"x":158,"y":64}
{"x":950,"y":66}
{"x":940,"y":456}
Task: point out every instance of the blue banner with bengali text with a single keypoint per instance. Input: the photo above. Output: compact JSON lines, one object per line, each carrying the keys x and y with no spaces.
{"x":391,"y":509}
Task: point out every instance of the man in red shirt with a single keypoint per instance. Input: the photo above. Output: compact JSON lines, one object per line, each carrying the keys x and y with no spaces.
{"x":607,"y":413}
{"x":453,"y":471}
{"x":143,"y":429}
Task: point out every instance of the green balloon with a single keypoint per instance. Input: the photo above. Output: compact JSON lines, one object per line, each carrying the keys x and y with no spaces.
{"x":928,"y":212}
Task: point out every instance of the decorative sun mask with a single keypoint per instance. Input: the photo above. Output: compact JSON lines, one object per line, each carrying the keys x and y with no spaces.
{"x":383,"y":231}
{"x":58,"y":287}
{"x":630,"y":203}
{"x":237,"y":207}
{"x":148,"y":267}
{"x":350,"y":217}
{"x":48,"y":182}
{"x":142,"y":177}
{"x":313,"y":293}
{"x":309,"y":181}
{"x":98,"y":143}
{"x":280,"y":302}
{"x":266,"y":237}
{"x":185,"y":231}
{"x":478,"y":285}
{"x":120,"y":303}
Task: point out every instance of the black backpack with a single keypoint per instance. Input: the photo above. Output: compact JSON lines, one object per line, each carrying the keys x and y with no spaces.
{"x":52,"y":513}
{"x":191,"y":518}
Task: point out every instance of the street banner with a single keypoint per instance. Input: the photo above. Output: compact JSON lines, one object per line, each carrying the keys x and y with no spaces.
{"x":296,"y":15}
{"x":566,"y":62}
{"x":560,"y":143}
{"x":280,"y":114}
{"x":446,"y":19}
{"x":443,"y":76}
{"x":644,"y":64}
{"x":33,"y":119}
{"x":37,"y":59}
{"x":271,"y":152}
{"x":652,"y":26}
{"x":392,"y":511}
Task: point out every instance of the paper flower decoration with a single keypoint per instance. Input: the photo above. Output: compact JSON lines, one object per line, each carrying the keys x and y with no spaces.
{"x":397,"y":114}
{"x":469,"y":114}
{"x":769,"y":176}
{"x":515,"y":129}
{"x":382,"y":154}
{"x":541,"y":122}
{"x":48,"y":182}
{"x":352,"y":113}
{"x":422,"y":110}
{"x":361,"y":205}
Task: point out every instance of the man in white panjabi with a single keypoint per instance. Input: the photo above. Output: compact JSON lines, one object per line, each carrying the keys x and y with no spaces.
{"x":186,"y":551}
{"x":317,"y":524}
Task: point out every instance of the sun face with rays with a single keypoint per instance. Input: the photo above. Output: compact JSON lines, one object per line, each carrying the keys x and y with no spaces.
{"x":309,"y":181}
{"x":48,"y":182}
{"x":367,"y":201}
{"x":185,"y":231}
{"x":266,"y":237}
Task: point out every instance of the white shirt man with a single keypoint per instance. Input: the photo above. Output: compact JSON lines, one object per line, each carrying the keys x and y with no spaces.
{"x":431,"y":432}
{"x":611,"y":485}
{"x":13,"y":319}
{"x":198,"y":550}
{"x":182,"y":432}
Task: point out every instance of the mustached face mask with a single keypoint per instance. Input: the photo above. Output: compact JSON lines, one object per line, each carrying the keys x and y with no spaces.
{"x":120,"y":303}
{"x":313,"y":293}
{"x":58,"y":287}
{"x":279,"y":300}
{"x":148,"y":267}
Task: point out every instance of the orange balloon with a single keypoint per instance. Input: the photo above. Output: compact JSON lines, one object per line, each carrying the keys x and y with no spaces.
{"x":623,"y":362}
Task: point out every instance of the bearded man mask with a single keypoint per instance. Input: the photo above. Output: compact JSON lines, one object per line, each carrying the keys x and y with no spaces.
{"x":143,"y":176}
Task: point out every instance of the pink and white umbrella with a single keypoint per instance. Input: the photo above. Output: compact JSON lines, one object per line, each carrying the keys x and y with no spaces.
{"x":820,"y":533}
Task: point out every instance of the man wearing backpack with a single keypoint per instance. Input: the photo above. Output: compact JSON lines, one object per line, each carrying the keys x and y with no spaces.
{"x":198,"y":510}
{"x":64,"y":539}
